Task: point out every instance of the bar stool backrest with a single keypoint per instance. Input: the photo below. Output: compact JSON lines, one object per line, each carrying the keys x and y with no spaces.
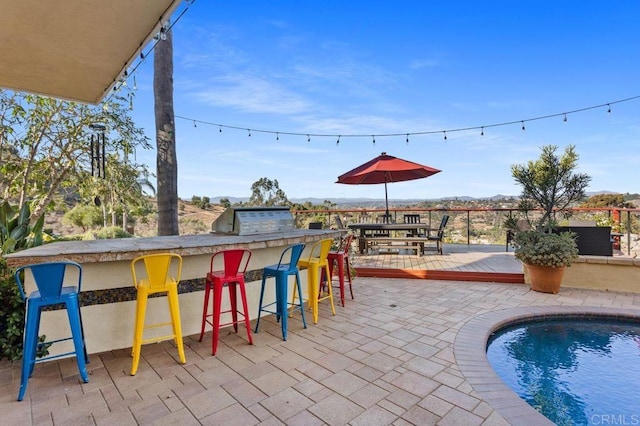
{"x":320,"y":250}
{"x":345,"y":243}
{"x":158,"y":269}
{"x":295,"y":253}
{"x":235,"y":261}
{"x":49,"y":278}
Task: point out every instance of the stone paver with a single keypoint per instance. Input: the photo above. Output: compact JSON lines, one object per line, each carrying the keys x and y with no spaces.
{"x":403,"y":352}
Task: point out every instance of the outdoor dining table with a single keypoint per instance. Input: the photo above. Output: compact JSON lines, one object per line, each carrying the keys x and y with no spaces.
{"x":366,"y":229}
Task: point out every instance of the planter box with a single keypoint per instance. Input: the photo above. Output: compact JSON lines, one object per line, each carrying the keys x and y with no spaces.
{"x":591,"y":240}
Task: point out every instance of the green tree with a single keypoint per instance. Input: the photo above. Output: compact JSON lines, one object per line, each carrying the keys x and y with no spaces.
{"x":267,"y":192}
{"x":550,"y":183}
{"x":606,"y":200}
{"x":166,"y":161}
{"x":83,"y":216}
{"x":224,"y":202}
{"x":45,"y":149}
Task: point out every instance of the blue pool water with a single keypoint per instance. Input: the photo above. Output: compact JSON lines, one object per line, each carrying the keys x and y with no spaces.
{"x":575,"y":371}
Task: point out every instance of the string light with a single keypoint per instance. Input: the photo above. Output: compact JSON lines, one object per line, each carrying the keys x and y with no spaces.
{"x":420,"y":133}
{"x":277,"y":136}
{"x":161,"y":35}
{"x":194,"y":123}
{"x":565,"y":118}
{"x":407,"y":138}
{"x":374,"y":139}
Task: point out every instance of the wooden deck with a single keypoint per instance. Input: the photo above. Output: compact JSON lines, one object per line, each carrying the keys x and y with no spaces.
{"x":460,"y":262}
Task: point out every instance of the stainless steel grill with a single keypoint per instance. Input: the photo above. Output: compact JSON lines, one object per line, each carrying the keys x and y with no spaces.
{"x":253,"y":220}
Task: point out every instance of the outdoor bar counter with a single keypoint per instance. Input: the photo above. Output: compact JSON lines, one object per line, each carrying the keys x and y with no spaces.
{"x":108,"y":297}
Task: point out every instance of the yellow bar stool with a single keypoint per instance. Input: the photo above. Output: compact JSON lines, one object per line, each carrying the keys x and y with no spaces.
{"x":316,"y":263}
{"x":155,"y":277}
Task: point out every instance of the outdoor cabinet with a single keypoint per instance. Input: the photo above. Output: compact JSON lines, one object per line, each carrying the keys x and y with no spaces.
{"x":591,"y":240}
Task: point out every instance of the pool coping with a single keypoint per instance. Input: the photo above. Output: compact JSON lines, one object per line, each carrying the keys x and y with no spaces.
{"x":470,"y":351}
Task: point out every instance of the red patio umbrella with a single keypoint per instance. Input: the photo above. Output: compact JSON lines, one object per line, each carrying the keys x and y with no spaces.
{"x":386,"y":168}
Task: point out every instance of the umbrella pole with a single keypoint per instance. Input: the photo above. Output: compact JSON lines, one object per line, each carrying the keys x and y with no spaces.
{"x":386,"y":199}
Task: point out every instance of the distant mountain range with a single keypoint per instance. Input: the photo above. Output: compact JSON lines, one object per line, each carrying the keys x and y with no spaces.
{"x":369,"y":201}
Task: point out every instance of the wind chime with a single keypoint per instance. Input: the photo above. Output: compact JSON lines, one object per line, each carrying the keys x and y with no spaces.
{"x":98,"y":151}
{"x":98,"y":155}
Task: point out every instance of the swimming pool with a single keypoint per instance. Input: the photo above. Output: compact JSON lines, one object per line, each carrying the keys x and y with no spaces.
{"x":573,"y":370}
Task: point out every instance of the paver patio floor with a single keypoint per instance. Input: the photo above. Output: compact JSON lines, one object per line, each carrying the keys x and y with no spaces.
{"x":386,"y":358}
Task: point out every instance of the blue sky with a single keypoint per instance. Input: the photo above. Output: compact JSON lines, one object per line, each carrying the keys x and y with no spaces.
{"x":404,"y":66}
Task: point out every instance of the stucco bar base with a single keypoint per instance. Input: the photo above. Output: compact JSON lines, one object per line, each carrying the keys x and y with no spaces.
{"x":108,"y":296}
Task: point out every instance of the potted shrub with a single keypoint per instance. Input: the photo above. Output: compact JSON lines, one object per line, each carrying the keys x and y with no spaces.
{"x":548,"y":184}
{"x":545,"y":256}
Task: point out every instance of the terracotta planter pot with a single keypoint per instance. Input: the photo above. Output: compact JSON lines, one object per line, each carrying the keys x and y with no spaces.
{"x":545,"y":278}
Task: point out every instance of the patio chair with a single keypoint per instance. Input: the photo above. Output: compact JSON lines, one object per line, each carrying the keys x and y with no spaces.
{"x":49,"y":279}
{"x":156,"y":278}
{"x":439,"y":234}
{"x":234,"y":265}
{"x":412,"y":218}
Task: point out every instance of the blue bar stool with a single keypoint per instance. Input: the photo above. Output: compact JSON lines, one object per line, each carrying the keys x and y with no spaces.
{"x":281,"y":272}
{"x":49,"y":279}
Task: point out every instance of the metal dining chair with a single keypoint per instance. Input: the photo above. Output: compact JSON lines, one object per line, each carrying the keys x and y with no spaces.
{"x":287,"y":266}
{"x":340,"y":256}
{"x":155,"y":277}
{"x":49,"y":279}
{"x":227,"y":269}
{"x":316,"y":262}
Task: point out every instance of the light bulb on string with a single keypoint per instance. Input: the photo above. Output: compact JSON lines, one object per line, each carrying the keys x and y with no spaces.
{"x":608,"y":108}
{"x":523,"y":128}
{"x":194,"y":123}
{"x":277,"y":136}
{"x":338,"y":141}
{"x":308,"y":138}
{"x":445,"y":134}
{"x":374,"y":139}
{"x":482,"y":131}
{"x":220,"y":129}
{"x":407,"y":141}
{"x":565,"y":118}
{"x":249,"y":130}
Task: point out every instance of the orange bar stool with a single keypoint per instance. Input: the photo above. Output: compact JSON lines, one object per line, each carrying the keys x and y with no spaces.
{"x":315,"y":263}
{"x":227,"y":269}
{"x":49,"y":279}
{"x":151,"y":275}
{"x":341,"y":257}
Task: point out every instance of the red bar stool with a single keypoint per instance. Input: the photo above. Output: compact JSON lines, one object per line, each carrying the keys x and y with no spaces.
{"x":341,"y":257}
{"x":234,"y":265}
